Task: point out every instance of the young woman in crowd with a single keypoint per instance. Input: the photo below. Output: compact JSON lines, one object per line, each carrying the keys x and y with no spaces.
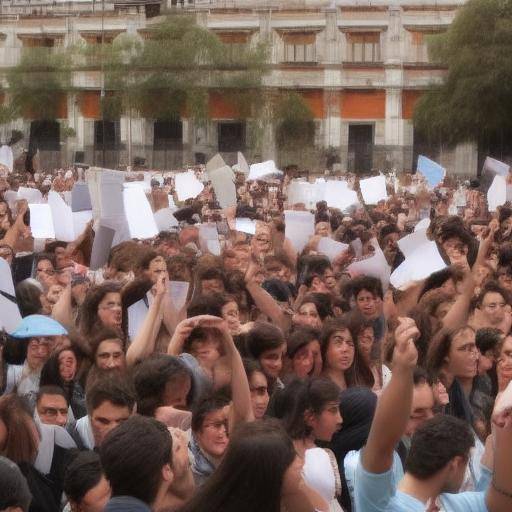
{"x":259,"y":386}
{"x":343,"y":362}
{"x":303,"y":353}
{"x":63,"y":369}
{"x":260,"y":471}
{"x":309,"y":411}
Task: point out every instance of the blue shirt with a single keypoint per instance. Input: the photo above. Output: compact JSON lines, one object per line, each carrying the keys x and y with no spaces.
{"x":378,"y":493}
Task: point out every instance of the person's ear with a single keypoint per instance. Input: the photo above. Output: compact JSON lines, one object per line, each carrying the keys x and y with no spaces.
{"x":167,"y":474}
{"x":309,"y":418}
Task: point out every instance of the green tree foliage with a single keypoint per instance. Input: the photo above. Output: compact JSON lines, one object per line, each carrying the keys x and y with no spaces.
{"x":170,"y":73}
{"x":474,"y":103}
{"x":295,"y":127}
{"x":38,"y":82}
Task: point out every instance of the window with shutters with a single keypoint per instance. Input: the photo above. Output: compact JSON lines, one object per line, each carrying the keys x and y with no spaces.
{"x":168,"y":134}
{"x":299,"y":47}
{"x":418,"y":48}
{"x":236,"y":43}
{"x":363,"y":47}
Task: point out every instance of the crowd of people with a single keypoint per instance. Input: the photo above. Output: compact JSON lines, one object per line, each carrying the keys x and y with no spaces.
{"x":285,"y":381}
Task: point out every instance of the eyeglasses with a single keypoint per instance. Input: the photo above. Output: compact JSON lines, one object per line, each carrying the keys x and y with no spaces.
{"x":39,"y":343}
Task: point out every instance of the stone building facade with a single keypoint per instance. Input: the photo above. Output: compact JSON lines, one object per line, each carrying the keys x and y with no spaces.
{"x":360,"y":66}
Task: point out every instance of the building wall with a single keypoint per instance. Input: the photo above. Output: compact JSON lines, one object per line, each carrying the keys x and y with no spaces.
{"x":354,"y":62}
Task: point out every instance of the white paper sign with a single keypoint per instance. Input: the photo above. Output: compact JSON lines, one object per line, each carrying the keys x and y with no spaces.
{"x":263,"y":170}
{"x":139,"y":215}
{"x":331,"y":248}
{"x":111,"y":197}
{"x":418,"y":265}
{"x":422,"y":224}
{"x":215,"y":163}
{"x":62,"y":217}
{"x":374,"y":266}
{"x":213,"y":246}
{"x":496,"y":166}
{"x":165,"y":219}
{"x":32,"y":195}
{"x":243,"y":166}
{"x":497,"y":193}
{"x":80,"y":221}
{"x":6,"y":157}
{"x":223,"y":181}
{"x":299,"y":227}
{"x":373,"y":189}
{"x":338,"y":195}
{"x":187,"y":185}
{"x":41,"y":221}
{"x":9,"y":312}
{"x":411,"y":242}
{"x":245,"y":225}
{"x":178,"y":290}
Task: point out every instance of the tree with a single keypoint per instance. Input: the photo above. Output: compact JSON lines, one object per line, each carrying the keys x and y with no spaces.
{"x":474,"y":102}
{"x":37,"y":85}
{"x":170,"y":74}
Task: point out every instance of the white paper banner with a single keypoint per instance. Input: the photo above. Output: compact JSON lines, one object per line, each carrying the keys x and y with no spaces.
{"x":373,"y":189}
{"x":331,"y":248}
{"x":139,"y":215}
{"x":187,"y":185}
{"x":41,"y":221}
{"x":299,"y":227}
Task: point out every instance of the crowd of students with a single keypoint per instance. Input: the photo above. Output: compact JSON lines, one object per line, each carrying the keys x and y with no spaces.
{"x":285,"y":382}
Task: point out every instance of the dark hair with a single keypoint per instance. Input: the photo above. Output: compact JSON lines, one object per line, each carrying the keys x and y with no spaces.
{"x":262,"y":337}
{"x":435,"y":443}
{"x":110,"y":388}
{"x":359,"y":374}
{"x":322,"y":302}
{"x":28,"y":295}
{"x":105,"y":334}
{"x":487,"y":338}
{"x":133,"y":455}
{"x":147,"y":258}
{"x":492,"y":287}
{"x":367,"y":283}
{"x":440,"y":348}
{"x":50,"y":373}
{"x":151,"y":377}
{"x":82,"y":474}
{"x":20,"y":445}
{"x":51,"y":390}
{"x":208,"y":305}
{"x":204,"y":406}
{"x":43,"y":256}
{"x":14,"y":491}
{"x":251,"y":472}
{"x":300,"y":337}
{"x":212,"y":273}
{"x":252,"y":366}
{"x":89,"y":321}
{"x":300,"y":396}
{"x":437,"y":279}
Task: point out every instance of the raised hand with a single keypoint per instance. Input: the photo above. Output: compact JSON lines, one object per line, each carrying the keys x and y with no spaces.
{"x":405,"y":354}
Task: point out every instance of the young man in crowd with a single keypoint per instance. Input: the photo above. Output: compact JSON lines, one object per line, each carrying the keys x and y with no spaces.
{"x":110,"y":402}
{"x":52,"y":406}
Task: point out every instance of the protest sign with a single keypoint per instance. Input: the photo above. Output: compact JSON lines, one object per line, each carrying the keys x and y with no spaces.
{"x":223,"y":182}
{"x":10,"y":315}
{"x":101,"y":246}
{"x":139,"y":215}
{"x":245,"y":225}
{"x":331,"y":248}
{"x":41,"y":221}
{"x":187,"y":185}
{"x":62,"y":217}
{"x":422,"y":262}
{"x":432,"y":171}
{"x":263,"y":170}
{"x":497,"y":193}
{"x":373,"y":189}
{"x":299,"y":227}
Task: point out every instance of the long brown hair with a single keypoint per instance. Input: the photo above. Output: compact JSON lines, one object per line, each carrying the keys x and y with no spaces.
{"x":21,"y":444}
{"x":359,"y":373}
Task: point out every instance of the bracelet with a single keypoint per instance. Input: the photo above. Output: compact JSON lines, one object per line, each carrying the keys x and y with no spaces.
{"x":500,"y":490}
